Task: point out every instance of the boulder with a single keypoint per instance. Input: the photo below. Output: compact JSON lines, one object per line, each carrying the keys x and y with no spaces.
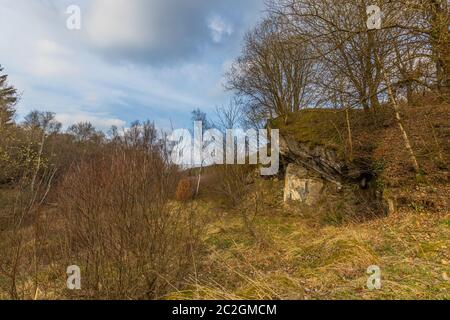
{"x":323,"y":162}
{"x":301,"y":186}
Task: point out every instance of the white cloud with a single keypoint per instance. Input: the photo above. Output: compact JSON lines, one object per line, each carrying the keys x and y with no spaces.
{"x":133,"y":59}
{"x":97,"y":120}
{"x":52,"y":60}
{"x":115,"y":23}
{"x":219,"y":28}
{"x":149,"y":31}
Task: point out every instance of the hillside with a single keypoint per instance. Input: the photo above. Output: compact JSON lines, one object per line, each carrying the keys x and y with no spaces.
{"x":323,"y":252}
{"x":282,"y":149}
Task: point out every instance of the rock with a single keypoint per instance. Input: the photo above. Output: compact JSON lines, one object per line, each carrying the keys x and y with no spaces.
{"x":301,"y":186}
{"x":314,"y":172}
{"x":323,"y":161}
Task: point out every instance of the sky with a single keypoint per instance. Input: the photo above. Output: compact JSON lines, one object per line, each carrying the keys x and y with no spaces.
{"x":131,"y":59}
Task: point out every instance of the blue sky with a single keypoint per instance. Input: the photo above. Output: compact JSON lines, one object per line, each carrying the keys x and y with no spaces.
{"x":132,"y":59}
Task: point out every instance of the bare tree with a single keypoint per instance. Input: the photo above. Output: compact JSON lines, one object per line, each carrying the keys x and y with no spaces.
{"x":272,"y":74}
{"x":230,"y":116}
{"x":200,"y":116}
{"x":43,"y":124}
{"x":428,"y":25}
{"x":338,"y":36}
{"x":85,"y":132}
{"x":361,"y":65}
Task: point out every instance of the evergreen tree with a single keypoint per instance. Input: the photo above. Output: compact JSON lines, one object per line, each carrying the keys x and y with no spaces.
{"x":8,"y":99}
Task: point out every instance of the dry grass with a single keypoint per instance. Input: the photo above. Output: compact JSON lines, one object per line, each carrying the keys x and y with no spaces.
{"x":302,"y":258}
{"x":301,"y":261}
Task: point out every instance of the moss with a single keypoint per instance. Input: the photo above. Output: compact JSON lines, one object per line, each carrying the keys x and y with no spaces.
{"x":328,"y":127}
{"x":447,"y":223}
{"x":312,"y":126}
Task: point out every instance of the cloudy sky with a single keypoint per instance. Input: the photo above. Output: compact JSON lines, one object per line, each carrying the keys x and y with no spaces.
{"x":132,"y":59}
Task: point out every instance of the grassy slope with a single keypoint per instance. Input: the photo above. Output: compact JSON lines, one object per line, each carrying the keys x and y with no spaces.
{"x":299,"y":259}
{"x":302,"y":256}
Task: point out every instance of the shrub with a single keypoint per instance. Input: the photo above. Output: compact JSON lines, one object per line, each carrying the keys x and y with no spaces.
{"x":184,"y":190}
{"x":122,"y":230}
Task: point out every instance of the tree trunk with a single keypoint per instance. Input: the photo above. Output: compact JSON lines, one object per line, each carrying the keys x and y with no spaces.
{"x":349,"y":131}
{"x":440,"y":41}
{"x":38,"y":167}
{"x":198,"y":181}
{"x":398,"y":117}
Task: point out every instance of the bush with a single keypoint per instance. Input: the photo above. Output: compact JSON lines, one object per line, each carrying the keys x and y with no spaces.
{"x":184,"y":190}
{"x":232,"y":182}
{"x":122,"y":230}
